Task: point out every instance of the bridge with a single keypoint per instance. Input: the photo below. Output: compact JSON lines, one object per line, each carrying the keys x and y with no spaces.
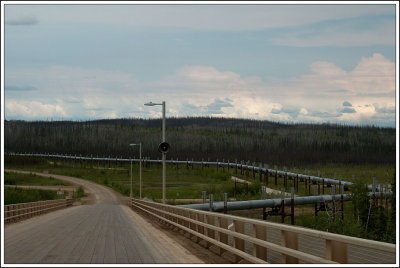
{"x":104,"y":230}
{"x":110,"y":228}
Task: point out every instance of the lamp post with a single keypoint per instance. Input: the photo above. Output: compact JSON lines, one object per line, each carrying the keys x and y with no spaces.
{"x":163,"y":154}
{"x":140,"y":167}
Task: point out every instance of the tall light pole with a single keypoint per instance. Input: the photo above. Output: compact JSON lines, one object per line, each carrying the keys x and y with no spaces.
{"x":163,"y":154}
{"x":140,"y":171}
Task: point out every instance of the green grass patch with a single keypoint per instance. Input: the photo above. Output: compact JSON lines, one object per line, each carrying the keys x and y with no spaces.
{"x":12,"y":178}
{"x":14,"y":195}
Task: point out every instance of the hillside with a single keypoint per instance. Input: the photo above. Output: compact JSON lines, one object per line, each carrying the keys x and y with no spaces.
{"x":208,"y":138}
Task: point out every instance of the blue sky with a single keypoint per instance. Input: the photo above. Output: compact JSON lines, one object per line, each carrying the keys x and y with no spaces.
{"x":289,"y":63}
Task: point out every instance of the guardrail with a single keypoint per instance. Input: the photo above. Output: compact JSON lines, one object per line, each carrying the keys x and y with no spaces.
{"x":17,"y":212}
{"x":259,"y":241}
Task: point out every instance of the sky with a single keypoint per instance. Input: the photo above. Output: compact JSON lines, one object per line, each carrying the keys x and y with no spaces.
{"x":293,"y":63}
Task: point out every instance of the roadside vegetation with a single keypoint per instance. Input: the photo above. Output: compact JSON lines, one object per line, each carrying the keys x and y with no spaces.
{"x":11,"y":178}
{"x":14,"y":195}
{"x":355,"y":153}
{"x":188,"y":183}
{"x":292,"y":145}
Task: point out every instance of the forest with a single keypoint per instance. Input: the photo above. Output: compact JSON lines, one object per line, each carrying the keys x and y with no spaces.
{"x":207,"y":138}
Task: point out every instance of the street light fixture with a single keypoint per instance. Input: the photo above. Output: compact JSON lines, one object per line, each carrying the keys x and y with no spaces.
{"x":140,"y":172}
{"x":163,"y":154}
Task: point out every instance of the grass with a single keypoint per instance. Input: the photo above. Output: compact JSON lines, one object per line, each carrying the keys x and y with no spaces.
{"x":188,"y":183}
{"x":14,"y":195}
{"x":181,"y":182}
{"x":11,"y":178}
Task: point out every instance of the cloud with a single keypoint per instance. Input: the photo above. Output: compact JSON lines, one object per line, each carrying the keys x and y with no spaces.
{"x":346,"y":103}
{"x":16,"y":88}
{"x":70,"y":99}
{"x":384,"y":109}
{"x":372,"y":75}
{"x":33,"y":109}
{"x":214,"y":17}
{"x":206,"y":90}
{"x":217,"y":105}
{"x":207,"y":74}
{"x":22,"y":20}
{"x":341,"y":35}
{"x":348,"y":110}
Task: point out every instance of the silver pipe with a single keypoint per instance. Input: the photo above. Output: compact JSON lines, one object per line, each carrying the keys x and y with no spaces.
{"x":252,"y":204}
{"x":265,"y":169}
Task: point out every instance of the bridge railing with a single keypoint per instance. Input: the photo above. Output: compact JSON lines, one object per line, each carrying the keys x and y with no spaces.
{"x":259,"y":241}
{"x":17,"y":212}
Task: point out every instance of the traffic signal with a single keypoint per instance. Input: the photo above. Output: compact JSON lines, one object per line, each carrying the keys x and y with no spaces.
{"x":163,"y":147}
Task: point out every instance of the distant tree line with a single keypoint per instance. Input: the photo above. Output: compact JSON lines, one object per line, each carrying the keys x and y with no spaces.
{"x":207,"y":138}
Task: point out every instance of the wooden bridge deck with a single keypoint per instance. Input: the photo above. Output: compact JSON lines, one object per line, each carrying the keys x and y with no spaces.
{"x":102,"y":232}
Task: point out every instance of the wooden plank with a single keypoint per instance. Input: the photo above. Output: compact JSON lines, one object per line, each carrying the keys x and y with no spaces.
{"x":193,"y":226}
{"x":237,"y":242}
{"x":84,"y":247}
{"x":223,"y":238}
{"x":109,"y":251}
{"x":336,"y":251}
{"x":210,"y":232}
{"x":260,"y":232}
{"x":120,"y":250}
{"x":290,"y":240}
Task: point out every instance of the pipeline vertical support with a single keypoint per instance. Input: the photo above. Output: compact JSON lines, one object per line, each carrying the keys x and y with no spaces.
{"x":284,"y":181}
{"x":305,"y":182}
{"x":264,"y":192}
{"x":264,"y":195}
{"x":266,"y":177}
{"x":386,"y":199}
{"x":236,"y":166}
{"x":211,"y":202}
{"x":283,"y":205}
{"x":292,"y":206}
{"x":254,"y":172}
{"x":276,"y":177}
{"x":225,"y":203}
{"x":341,"y":201}
{"x":315,"y":204}
{"x":323,"y":186}
{"x":373,"y":191}
{"x":204,"y":196}
{"x":333,"y":203}
{"x":234,"y":190}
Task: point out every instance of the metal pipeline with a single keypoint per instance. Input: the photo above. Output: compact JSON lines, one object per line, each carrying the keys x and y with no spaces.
{"x":251,"y":204}
{"x":231,"y":165}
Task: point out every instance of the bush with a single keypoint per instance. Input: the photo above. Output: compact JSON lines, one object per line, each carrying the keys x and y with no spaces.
{"x":14,"y":195}
{"x":80,"y":192}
